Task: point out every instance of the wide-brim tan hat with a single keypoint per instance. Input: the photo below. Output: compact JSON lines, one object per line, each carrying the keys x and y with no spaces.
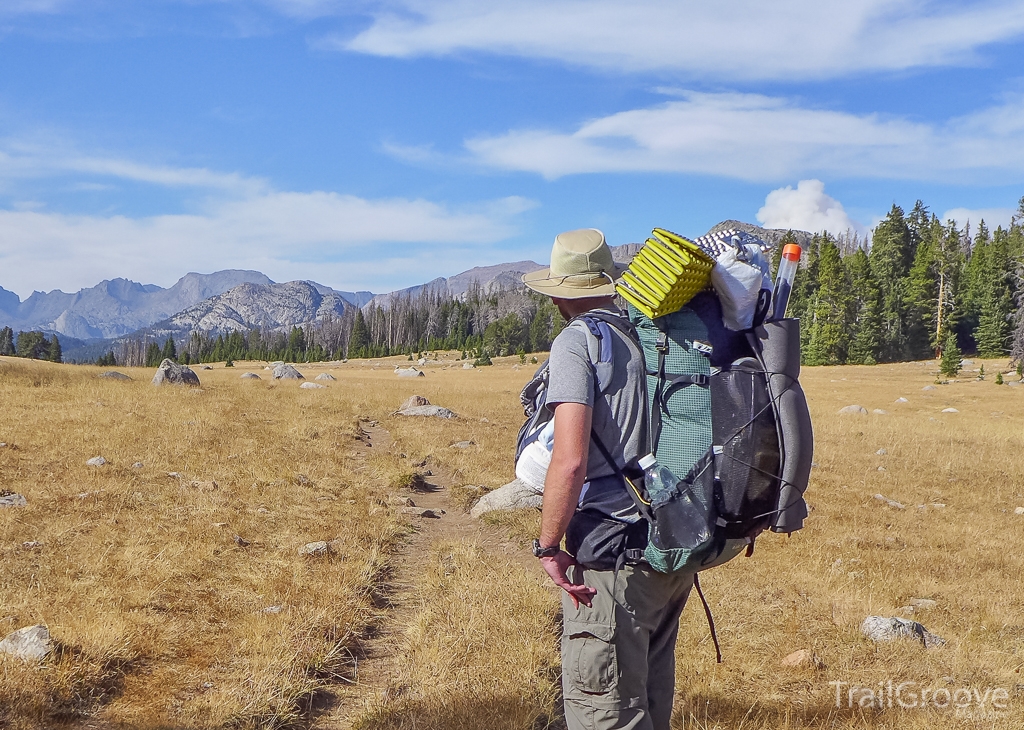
{"x":581,"y":267}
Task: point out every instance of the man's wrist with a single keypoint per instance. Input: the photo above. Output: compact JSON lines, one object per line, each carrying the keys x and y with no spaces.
{"x":545,"y":552}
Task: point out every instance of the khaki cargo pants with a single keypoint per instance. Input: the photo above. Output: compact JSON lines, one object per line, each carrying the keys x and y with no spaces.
{"x":618,"y":657}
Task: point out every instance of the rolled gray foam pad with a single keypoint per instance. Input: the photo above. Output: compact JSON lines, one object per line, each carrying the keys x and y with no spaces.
{"x":778,"y":344}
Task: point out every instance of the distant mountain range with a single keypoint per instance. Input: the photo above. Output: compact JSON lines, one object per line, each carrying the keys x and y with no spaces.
{"x":119,"y":307}
{"x":238,"y":300}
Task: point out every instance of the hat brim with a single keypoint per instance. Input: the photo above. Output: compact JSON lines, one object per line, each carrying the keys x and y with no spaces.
{"x":567,"y":287}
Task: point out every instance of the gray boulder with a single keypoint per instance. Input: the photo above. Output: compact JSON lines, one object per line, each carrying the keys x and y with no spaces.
{"x":96,"y":461}
{"x":513,"y":496}
{"x":312,"y":386}
{"x":10,"y":499}
{"x":171,"y":373}
{"x":409,"y":372}
{"x":251,"y":376}
{"x":853,"y":411}
{"x":315,"y":549}
{"x":287,"y":372}
{"x":114,"y":375}
{"x":414,"y":401}
{"x":31,"y":643}
{"x":435,"y":411}
{"x":889,"y":628}
{"x":325,"y":376}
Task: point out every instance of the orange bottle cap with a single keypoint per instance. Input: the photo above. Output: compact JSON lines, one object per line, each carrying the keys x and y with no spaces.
{"x":792,"y":252}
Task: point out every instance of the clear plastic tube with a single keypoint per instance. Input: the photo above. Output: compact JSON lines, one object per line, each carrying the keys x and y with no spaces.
{"x":784,"y":280}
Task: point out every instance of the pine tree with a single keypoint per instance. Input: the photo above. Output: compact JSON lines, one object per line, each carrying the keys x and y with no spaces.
{"x":891,"y":258}
{"x":33,"y":345}
{"x":867,"y":306}
{"x":949,"y":364}
{"x":994,"y":330}
{"x":153,"y":355}
{"x":829,"y":311}
{"x":359,"y":341}
{"x":56,"y":355}
{"x":7,"y":341}
{"x":170,"y":351}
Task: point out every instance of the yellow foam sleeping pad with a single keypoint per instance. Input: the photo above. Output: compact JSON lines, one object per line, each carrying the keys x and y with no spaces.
{"x":665,"y":274}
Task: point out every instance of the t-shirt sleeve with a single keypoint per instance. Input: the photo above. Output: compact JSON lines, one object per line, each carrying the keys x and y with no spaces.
{"x":571,"y":375}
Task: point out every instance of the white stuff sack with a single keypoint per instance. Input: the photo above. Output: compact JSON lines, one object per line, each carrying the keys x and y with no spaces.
{"x":738,"y":284}
{"x":533,"y":463}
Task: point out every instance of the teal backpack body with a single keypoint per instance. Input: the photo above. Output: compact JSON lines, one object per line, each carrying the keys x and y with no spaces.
{"x":715,"y":422}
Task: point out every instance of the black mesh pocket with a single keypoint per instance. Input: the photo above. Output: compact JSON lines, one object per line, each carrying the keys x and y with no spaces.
{"x":748,"y":458}
{"x":673,"y":527}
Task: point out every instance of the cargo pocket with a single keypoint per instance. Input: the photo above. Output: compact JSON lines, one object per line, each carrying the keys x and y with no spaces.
{"x":590,"y":662}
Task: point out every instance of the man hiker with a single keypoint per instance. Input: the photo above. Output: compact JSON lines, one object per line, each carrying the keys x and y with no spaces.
{"x":620,"y":617}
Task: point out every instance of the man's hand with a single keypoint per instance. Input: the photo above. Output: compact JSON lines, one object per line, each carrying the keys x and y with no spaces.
{"x":557,"y":567}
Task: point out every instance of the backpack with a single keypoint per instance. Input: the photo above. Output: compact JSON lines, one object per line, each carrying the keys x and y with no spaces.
{"x":729,"y":419}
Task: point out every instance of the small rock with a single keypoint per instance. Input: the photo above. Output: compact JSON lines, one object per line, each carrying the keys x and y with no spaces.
{"x":303,"y":480}
{"x":325,"y":376}
{"x":1013,"y":383}
{"x":250,"y":376}
{"x":311,"y":386}
{"x":468,"y":366}
{"x":273,"y":609}
{"x":409,"y":373}
{"x":3,"y":444}
{"x":928,"y":387}
{"x":315,"y":549}
{"x":923,"y":604}
{"x":287,"y":372}
{"x":137,"y":465}
{"x":96,"y":461}
{"x":515,"y":495}
{"x":435,"y":411}
{"x":219,"y":524}
{"x":171,"y":373}
{"x":421,"y":512}
{"x":901,"y":400}
{"x":31,"y":643}
{"x":241,"y":541}
{"x":463,"y":445}
{"x":174,"y":475}
{"x":206,"y":367}
{"x":890,"y":502}
{"x":10,"y":499}
{"x":114,"y":375}
{"x":484,"y":420}
{"x":883,"y":628}
{"x":882,"y":468}
{"x":880,"y":412}
{"x":853,"y":411}
{"x":414,"y":401}
{"x":422,"y":361}
{"x":31,"y":545}
{"x":966,"y":363}
{"x":802,"y":658}
{"x":205,"y":486}
{"x":1019,"y":511}
{"x":881,"y":452}
{"x":950,"y":410}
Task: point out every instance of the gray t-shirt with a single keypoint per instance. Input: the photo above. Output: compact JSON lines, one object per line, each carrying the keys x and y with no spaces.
{"x":619,"y":412}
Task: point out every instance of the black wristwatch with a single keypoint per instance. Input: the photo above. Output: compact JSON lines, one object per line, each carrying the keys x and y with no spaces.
{"x":548,"y":552}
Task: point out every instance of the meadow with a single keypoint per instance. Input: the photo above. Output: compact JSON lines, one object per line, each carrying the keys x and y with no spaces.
{"x":172,"y":582}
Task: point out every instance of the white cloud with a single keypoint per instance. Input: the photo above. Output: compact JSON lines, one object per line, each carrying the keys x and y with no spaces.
{"x":728,"y":39}
{"x":806,"y":208}
{"x":769,"y":139}
{"x":47,"y":157}
{"x":993,"y":217}
{"x":339,"y":240}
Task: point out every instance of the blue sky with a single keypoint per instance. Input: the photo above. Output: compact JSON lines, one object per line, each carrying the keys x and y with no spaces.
{"x":376,"y":145}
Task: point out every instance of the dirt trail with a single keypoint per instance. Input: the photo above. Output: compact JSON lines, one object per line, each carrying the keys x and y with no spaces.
{"x":378,"y":664}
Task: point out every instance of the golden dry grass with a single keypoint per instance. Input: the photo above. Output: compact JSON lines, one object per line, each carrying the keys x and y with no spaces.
{"x":154,"y":604}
